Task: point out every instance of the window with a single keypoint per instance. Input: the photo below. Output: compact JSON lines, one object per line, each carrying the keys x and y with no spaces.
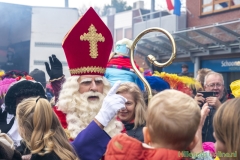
{"x":213,"y":6}
{"x":123,"y":33}
{"x":119,"y":34}
{"x":128,"y":33}
{"x":3,"y":56}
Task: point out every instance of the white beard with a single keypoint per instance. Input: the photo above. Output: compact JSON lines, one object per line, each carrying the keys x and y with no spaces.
{"x":85,"y":112}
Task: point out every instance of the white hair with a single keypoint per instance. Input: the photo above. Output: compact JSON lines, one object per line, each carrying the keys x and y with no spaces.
{"x":79,"y":112}
{"x":213,"y":73}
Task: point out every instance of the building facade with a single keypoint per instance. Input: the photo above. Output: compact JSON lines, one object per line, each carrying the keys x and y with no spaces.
{"x":33,"y":34}
{"x":207,"y":35}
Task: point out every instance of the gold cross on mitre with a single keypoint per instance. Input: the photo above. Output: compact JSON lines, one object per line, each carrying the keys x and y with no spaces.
{"x":93,"y":37}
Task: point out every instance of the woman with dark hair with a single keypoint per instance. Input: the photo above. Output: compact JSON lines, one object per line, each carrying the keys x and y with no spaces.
{"x":21,"y":90}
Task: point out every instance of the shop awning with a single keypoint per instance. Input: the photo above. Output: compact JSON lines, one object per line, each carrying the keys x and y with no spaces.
{"x":216,"y":39}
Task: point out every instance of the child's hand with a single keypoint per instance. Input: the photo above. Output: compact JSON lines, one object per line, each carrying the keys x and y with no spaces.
{"x":204,"y":113}
{"x":26,"y":157}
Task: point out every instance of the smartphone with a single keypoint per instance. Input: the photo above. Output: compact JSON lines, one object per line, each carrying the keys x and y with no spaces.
{"x":208,"y":94}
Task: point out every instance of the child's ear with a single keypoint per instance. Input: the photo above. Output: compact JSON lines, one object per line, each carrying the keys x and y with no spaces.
{"x":146,"y":135}
{"x":193,"y":143}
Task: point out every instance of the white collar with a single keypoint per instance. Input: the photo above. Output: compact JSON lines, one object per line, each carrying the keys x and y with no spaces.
{"x":14,"y":135}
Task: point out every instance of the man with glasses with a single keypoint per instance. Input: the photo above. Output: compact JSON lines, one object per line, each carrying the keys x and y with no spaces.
{"x":213,"y":83}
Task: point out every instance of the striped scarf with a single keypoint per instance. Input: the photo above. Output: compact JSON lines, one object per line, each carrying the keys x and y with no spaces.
{"x":121,"y":62}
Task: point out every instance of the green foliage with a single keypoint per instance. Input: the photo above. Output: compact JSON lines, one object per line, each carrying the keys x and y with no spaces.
{"x":120,"y":6}
{"x":83,"y":9}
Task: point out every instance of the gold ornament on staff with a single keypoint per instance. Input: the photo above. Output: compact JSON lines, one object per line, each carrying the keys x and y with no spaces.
{"x":151,"y":58}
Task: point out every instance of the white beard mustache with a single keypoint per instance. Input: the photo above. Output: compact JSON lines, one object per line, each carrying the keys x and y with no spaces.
{"x":84,"y":113}
{"x":92,"y":105}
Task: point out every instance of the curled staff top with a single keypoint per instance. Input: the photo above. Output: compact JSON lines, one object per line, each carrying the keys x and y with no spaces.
{"x":151,"y":58}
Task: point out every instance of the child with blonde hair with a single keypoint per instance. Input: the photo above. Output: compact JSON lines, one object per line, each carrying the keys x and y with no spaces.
{"x":41,"y":130}
{"x":173,"y":119}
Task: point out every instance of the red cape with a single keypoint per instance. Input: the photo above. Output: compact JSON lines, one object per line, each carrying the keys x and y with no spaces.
{"x":61,"y":117}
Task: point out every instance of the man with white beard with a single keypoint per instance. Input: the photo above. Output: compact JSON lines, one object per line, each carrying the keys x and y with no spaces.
{"x":81,"y":99}
{"x":85,"y":106}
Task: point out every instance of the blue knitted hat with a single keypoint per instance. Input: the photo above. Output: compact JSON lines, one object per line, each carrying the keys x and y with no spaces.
{"x":157,"y":83}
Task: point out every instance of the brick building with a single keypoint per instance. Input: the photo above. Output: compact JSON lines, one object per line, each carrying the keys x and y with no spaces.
{"x":207,"y":35}
{"x":220,"y":24}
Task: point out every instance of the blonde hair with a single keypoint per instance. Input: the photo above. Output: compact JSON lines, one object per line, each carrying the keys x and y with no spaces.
{"x":226,"y":124}
{"x":202,"y":73}
{"x":140,"y":108}
{"x":41,"y":129}
{"x":173,"y":118}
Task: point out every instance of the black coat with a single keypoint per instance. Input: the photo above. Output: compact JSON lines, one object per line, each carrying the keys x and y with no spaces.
{"x":4,"y":127}
{"x":49,"y":156}
{"x":207,"y":130}
{"x":186,"y":74}
{"x":23,"y":149}
{"x":135,"y":133}
{"x":8,"y":153}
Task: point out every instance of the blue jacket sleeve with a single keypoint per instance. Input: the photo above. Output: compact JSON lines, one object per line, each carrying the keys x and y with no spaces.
{"x":91,"y":143}
{"x":140,"y":84}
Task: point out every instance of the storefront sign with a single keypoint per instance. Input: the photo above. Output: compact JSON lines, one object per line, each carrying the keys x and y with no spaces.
{"x":224,"y":65}
{"x":176,"y":67}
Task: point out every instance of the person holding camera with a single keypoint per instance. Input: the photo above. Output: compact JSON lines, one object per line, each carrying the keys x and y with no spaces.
{"x":214,"y":84}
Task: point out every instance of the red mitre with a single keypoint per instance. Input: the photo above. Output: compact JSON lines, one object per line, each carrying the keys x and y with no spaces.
{"x":88,"y":45}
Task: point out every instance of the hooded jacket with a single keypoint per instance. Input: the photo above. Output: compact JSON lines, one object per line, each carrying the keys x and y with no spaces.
{"x":123,"y":147}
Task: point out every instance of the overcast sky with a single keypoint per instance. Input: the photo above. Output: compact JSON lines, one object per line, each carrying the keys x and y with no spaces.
{"x":72,"y":3}
{"x":79,"y":3}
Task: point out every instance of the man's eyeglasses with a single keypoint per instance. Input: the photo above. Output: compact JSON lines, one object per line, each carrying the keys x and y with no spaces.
{"x":212,"y":85}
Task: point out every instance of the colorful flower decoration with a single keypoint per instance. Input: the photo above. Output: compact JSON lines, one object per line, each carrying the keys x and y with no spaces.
{"x":14,"y":74}
{"x":2,"y":73}
{"x":4,"y":85}
{"x":181,"y":83}
{"x":235,"y":88}
{"x":27,"y":77}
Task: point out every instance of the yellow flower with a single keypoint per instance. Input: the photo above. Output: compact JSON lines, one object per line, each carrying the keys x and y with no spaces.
{"x":216,"y":158}
{"x":235,"y":88}
{"x":1,"y":73}
{"x":174,"y":80}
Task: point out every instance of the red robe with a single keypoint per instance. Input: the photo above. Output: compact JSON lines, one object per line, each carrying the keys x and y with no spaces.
{"x":61,"y":117}
{"x":56,"y":86}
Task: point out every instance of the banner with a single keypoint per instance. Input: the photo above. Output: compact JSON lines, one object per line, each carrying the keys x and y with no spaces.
{"x":223,"y":65}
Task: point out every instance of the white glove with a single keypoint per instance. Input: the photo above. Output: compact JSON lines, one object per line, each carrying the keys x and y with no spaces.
{"x":112,"y":103}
